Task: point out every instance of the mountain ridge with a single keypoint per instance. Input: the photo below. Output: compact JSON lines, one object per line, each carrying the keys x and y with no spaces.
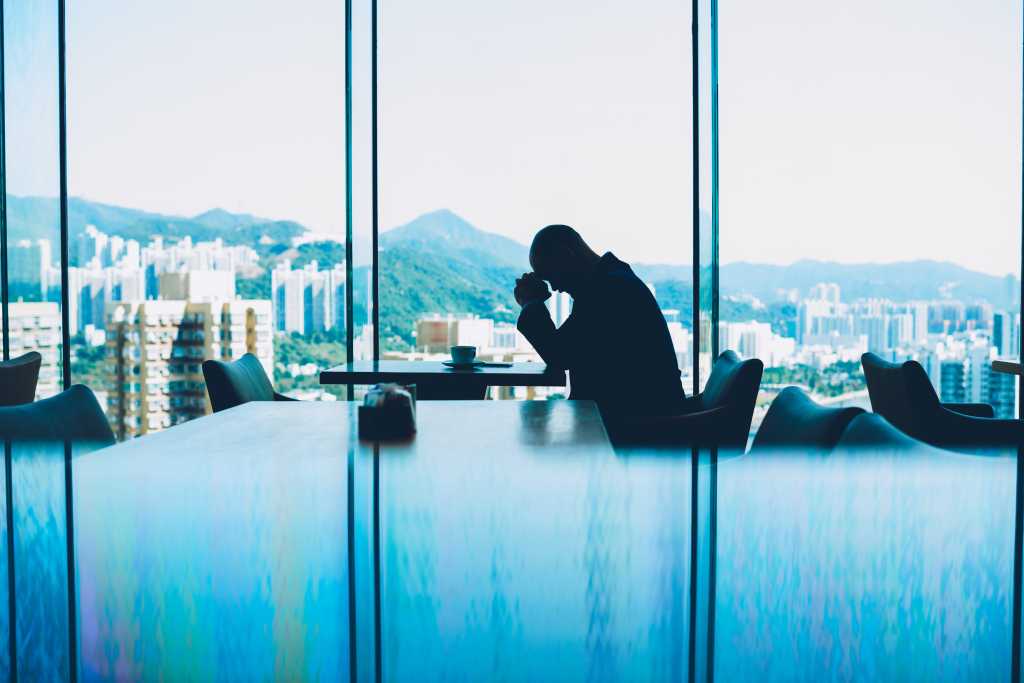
{"x":32,"y":217}
{"x":223,"y":219}
{"x":443,"y":233}
{"x":480,"y":266}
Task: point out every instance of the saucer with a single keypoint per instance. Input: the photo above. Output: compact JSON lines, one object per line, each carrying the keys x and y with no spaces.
{"x":463,"y":366}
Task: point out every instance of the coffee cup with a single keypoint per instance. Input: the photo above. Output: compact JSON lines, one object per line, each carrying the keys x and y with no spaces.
{"x":463,"y":355}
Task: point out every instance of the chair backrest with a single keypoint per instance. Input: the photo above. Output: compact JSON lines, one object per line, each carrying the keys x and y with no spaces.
{"x":730,"y":395}
{"x":901,"y":393}
{"x":794,"y":421}
{"x":72,"y":415}
{"x":18,"y":379}
{"x":733,"y":385}
{"x":232,"y":384}
{"x":732,"y":381}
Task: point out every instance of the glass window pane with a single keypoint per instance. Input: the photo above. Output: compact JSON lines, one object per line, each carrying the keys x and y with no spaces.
{"x":207,"y":171}
{"x":871,"y":188}
{"x":497,"y":119}
{"x":707,"y":215}
{"x":362,"y":208}
{"x":33,"y":186}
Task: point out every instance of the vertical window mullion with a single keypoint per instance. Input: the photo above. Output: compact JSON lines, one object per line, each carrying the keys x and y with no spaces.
{"x":375,"y":208}
{"x":349,"y":252}
{"x":62,"y":97}
{"x":1018,"y":526}
{"x":713,"y":38}
{"x":695,"y":97}
{"x":695,"y":322}
{"x":4,"y":291}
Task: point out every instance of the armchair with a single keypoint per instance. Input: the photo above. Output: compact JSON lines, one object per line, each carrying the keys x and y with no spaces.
{"x":719,"y":416}
{"x":795,"y":422}
{"x":232,"y":384}
{"x":903,"y":395}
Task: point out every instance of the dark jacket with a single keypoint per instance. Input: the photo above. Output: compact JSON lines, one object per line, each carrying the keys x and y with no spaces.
{"x":615,"y":345}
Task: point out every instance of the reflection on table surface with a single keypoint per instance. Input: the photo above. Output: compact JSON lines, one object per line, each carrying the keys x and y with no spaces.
{"x":506,"y":541}
{"x":868,"y":568}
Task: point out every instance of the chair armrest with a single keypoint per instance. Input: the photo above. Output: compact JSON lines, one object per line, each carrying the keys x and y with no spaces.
{"x":704,"y":427}
{"x":972,"y":409}
{"x":282,"y":397}
{"x":691,"y":405}
{"x":974,"y":433}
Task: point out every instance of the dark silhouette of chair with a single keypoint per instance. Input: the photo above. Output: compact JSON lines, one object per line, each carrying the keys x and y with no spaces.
{"x":72,"y":415}
{"x":903,"y":395}
{"x":795,"y":422}
{"x":871,"y":432}
{"x":719,"y":416}
{"x":18,"y":379}
{"x":232,"y":384}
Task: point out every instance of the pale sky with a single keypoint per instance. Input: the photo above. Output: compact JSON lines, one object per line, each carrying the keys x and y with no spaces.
{"x":866,"y":131}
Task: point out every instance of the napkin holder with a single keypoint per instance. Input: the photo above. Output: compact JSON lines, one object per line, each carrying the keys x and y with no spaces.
{"x":388,"y":412}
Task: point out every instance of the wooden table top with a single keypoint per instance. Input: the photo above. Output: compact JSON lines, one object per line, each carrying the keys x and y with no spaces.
{"x":408,"y":372}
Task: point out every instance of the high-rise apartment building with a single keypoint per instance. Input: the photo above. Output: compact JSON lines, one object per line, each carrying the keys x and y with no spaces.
{"x":93,"y":247}
{"x":825,"y":291}
{"x":755,"y":340}
{"x":822,"y":316}
{"x":899,"y":332}
{"x":308,"y":299}
{"x":158,"y":258}
{"x":978,"y":316}
{"x":35,"y":326}
{"x":1002,"y":393}
{"x":875,"y":328}
{"x":92,"y":289}
{"x":111,"y":269}
{"x":918,"y":311}
{"x":29,"y":264}
{"x":947,"y":316}
{"x":507,"y":338}
{"x":1002,"y":334}
{"x":155,"y":351}
{"x":198,"y":285}
{"x":962,"y":373}
{"x":437,"y":334}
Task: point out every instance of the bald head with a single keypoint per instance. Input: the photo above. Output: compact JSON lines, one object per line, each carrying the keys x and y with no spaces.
{"x":560,"y":256}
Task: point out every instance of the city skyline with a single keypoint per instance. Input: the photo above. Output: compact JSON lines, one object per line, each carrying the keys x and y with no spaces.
{"x":157,"y":309}
{"x":144,"y":270}
{"x":313,"y":236}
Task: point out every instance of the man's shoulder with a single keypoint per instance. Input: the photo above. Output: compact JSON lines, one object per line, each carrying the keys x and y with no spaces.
{"x":610,"y":267}
{"x":619,"y":275}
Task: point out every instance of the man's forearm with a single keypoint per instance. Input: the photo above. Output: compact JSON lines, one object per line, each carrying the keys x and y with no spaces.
{"x":536,"y":325}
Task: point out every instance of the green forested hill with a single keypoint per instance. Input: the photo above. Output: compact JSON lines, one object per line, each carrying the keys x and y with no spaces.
{"x":441,"y":263}
{"x":413,"y":285}
{"x":39,"y":217}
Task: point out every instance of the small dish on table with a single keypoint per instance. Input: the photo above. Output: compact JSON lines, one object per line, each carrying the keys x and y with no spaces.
{"x":463,"y":366}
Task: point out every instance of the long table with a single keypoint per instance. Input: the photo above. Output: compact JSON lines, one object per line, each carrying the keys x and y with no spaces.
{"x":436,"y":381}
{"x":505,"y":541}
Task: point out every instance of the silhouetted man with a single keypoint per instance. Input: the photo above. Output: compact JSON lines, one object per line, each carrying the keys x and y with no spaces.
{"x":615,"y":343}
